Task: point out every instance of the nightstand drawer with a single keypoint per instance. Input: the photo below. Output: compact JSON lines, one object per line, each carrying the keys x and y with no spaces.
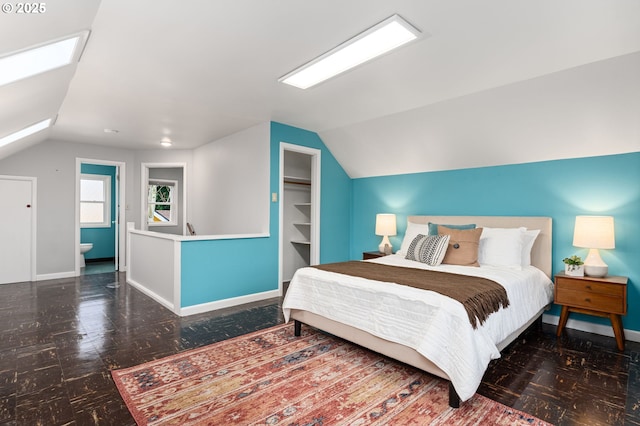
{"x":590,"y":287}
{"x":590,"y":300}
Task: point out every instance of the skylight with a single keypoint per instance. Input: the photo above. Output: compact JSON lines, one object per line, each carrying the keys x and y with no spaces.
{"x":27,"y":63}
{"x":28,"y":131}
{"x":389,"y":34}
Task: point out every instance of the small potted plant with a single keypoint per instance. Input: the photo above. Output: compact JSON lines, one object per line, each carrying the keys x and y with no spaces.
{"x":573,"y":266}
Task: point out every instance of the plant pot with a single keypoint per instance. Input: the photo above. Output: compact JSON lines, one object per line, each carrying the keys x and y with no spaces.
{"x":574,"y":270}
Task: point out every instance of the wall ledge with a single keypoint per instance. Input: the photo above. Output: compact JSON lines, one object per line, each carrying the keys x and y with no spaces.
{"x":198,"y":237}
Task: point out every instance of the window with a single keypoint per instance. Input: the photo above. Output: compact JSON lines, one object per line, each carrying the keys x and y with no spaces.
{"x":162,"y":197}
{"x":95,"y":201}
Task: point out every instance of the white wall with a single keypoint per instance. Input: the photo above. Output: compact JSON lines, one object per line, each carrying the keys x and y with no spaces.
{"x":231,"y":184}
{"x":53,"y":163}
{"x":586,"y":111}
{"x":227,"y":184}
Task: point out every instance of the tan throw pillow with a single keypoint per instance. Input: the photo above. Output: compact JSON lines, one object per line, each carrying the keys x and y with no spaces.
{"x":463,"y":246}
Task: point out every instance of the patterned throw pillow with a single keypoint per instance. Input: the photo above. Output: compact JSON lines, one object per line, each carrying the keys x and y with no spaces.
{"x":429,"y":249}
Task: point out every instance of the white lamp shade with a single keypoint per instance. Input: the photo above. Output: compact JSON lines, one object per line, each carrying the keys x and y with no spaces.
{"x":386,"y":224}
{"x":594,"y":232}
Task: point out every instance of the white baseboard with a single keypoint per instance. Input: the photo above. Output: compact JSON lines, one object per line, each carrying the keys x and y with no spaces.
{"x":55,"y":276}
{"x":590,"y":327}
{"x":227,"y":303}
{"x":161,"y":300}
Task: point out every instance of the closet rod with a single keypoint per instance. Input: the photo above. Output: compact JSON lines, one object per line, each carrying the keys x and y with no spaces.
{"x":293,"y":182}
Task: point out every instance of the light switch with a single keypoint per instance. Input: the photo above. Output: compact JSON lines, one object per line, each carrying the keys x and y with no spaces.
{"x":274,"y":197}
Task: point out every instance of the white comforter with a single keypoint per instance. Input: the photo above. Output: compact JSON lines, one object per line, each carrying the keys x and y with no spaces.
{"x":434,"y":325}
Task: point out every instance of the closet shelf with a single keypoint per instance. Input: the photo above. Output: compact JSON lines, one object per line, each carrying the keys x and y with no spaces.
{"x":302,"y":204}
{"x":297,"y":180}
{"x":306,"y":243}
{"x":302,"y":224}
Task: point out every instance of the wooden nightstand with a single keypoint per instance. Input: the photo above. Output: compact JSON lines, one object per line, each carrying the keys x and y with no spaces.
{"x":604,"y":297}
{"x":372,"y":255}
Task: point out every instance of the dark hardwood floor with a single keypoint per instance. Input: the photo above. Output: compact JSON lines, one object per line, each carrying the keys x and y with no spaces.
{"x":59,"y":339}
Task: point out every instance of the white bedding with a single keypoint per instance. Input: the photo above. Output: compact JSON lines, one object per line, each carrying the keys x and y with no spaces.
{"x":434,"y":325}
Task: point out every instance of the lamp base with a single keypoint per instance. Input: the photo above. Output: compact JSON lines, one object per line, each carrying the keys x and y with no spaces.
{"x":594,"y":266}
{"x":385,"y":246}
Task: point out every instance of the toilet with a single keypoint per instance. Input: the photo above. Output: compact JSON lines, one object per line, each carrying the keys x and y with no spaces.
{"x":84,"y":247}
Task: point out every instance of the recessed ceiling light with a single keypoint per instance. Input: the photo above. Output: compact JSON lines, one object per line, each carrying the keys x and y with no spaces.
{"x":389,"y":34}
{"x":111,"y":131}
{"x":36,"y":60}
{"x":166,"y":142}
{"x":34,"y":128}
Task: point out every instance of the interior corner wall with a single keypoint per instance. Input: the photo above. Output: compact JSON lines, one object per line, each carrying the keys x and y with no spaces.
{"x":561,"y":189}
{"x":231,"y":184}
{"x":335,"y":191}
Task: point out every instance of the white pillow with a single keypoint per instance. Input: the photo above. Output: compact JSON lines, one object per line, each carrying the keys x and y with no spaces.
{"x":501,"y":247}
{"x":413,"y":229}
{"x":529,"y":238}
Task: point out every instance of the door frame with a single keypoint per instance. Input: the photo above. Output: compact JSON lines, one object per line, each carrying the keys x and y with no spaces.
{"x":144,"y":182}
{"x":314,"y":254}
{"x":120,"y":254}
{"x":34,"y":219}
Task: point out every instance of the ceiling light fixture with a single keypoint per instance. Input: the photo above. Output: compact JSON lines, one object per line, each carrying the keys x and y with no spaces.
{"x":389,"y":34}
{"x":166,"y":142}
{"x":36,"y":60}
{"x":28,"y":131}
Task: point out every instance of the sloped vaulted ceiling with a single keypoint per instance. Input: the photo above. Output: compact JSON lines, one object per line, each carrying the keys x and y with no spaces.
{"x":493,"y":82}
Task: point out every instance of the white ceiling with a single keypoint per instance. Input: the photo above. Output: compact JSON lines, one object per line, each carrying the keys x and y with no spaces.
{"x":200,"y":70}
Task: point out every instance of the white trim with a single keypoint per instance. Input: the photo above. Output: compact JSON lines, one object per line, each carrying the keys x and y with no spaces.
{"x":314,"y":255}
{"x":589,"y":327}
{"x":55,"y":276}
{"x":175,"y":197}
{"x":197,"y":237}
{"x":120,"y":215}
{"x":226,"y":303}
{"x":106,"y":204}
{"x":153,"y":295}
{"x":177,"y":276}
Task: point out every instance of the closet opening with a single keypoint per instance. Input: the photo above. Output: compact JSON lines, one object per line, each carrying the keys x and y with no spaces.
{"x":299,"y":210}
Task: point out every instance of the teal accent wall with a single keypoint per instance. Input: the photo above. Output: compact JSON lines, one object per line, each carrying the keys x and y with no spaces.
{"x":215,"y":270}
{"x":220,"y":269}
{"x":103,"y":239}
{"x":562,"y":189}
{"x":335,"y":187}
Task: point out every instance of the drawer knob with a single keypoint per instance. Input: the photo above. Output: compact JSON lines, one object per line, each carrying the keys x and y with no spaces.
{"x":588,"y":287}
{"x":587,"y":300}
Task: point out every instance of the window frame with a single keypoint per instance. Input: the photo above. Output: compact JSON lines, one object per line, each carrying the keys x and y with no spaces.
{"x":173,"y":221}
{"x":106,"y":184}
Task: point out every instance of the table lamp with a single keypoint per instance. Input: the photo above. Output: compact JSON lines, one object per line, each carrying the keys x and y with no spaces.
{"x":385,"y":226}
{"x":594,"y":232}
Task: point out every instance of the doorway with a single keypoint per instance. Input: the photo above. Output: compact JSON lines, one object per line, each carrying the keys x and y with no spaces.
{"x":18,"y":229}
{"x":106,"y":234}
{"x":164,"y":214}
{"x":299,"y":236}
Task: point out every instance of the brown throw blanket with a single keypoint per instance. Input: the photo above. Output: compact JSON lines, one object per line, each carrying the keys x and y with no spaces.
{"x":479,"y":296}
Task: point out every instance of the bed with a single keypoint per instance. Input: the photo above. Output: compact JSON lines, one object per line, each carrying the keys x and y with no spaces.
{"x":425,"y":329}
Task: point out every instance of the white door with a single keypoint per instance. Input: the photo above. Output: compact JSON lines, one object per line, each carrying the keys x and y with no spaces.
{"x":16,"y":216}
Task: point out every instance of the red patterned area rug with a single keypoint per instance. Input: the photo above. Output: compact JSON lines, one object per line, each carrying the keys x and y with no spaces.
{"x":272,"y":377}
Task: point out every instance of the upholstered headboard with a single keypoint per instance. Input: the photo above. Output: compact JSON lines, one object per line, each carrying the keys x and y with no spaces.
{"x":541,"y":251}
